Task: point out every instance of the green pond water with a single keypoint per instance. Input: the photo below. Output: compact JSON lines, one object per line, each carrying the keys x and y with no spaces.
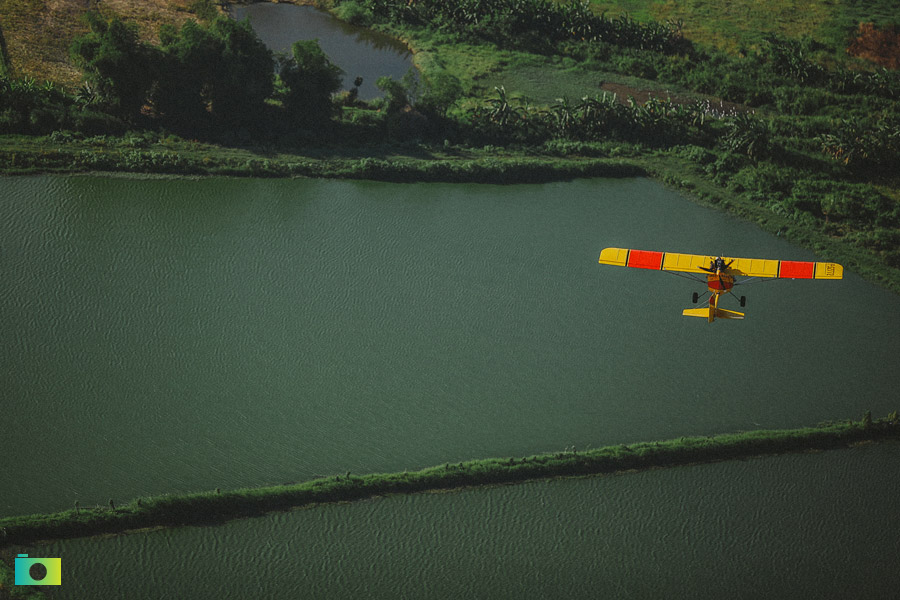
{"x":358,"y":51}
{"x":171,"y":335}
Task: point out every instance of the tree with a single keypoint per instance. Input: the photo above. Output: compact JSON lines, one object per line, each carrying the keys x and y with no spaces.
{"x":245,"y":73}
{"x":116,"y":63}
{"x":310,"y":79}
{"x":4,"y":57}
{"x":395,"y":93}
{"x":442,"y":90}
{"x":182,"y":88}
{"x":221,"y":69}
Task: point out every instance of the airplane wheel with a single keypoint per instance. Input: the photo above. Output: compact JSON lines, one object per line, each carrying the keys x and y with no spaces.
{"x":743,"y":301}
{"x":695,"y":297}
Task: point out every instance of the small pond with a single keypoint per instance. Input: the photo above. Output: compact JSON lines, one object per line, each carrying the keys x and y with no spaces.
{"x":360,"y":52}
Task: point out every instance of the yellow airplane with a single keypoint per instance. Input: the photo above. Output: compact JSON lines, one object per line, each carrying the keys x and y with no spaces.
{"x":720,"y":273}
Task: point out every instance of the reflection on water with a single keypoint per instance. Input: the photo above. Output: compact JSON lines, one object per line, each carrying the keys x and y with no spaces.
{"x":359,"y":51}
{"x":796,"y":526}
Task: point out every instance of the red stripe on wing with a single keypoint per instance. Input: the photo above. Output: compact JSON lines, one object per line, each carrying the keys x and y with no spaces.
{"x":645,"y":259}
{"x":797,"y":270}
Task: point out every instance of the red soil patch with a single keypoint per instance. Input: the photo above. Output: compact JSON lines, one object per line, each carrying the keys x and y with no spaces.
{"x":881,"y":46}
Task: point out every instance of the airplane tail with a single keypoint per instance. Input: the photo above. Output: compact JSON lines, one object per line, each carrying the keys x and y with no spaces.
{"x":712,"y":313}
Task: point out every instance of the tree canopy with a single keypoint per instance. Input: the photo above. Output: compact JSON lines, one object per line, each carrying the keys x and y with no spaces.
{"x":311,"y":78}
{"x":220,"y":71}
{"x":116,"y":63}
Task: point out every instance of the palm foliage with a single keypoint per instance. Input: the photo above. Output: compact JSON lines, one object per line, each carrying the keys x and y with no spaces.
{"x":857,"y":145}
{"x":657,"y":122}
{"x":530,"y":22}
{"x":746,"y":134}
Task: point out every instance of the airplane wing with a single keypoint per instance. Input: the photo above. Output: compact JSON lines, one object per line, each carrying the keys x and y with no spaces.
{"x":692,"y":263}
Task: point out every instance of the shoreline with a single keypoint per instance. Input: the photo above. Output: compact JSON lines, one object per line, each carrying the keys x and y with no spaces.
{"x":369,"y":149}
{"x":404,"y":164}
{"x":510,"y":169}
{"x":217,"y":507}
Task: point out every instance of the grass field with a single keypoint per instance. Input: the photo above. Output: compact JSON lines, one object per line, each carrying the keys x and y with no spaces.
{"x":38,"y":32}
{"x":544,"y":81}
{"x":741,"y":24}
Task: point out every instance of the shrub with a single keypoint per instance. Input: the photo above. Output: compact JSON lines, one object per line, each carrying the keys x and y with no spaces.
{"x":311,"y":78}
{"x":697,"y":154}
{"x":748,"y":134}
{"x":860,"y":204}
{"x":92,"y":122}
{"x":726,"y":165}
{"x":790,"y":58}
{"x":637,"y":65}
{"x":64,"y":137}
{"x":765,"y":182}
{"x":395,"y":92}
{"x":355,"y":13}
{"x":442,"y":90}
{"x":864,"y":145}
{"x":800,"y":100}
{"x":12,"y":121}
{"x":43,"y":120}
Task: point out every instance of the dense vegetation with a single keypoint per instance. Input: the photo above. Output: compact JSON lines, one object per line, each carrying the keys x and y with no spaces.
{"x":531,"y":24}
{"x":218,"y":506}
{"x":200,"y":79}
{"x":809,"y":146}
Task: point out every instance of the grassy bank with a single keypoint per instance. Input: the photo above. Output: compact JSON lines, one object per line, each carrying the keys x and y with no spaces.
{"x":24,"y":155}
{"x":217,"y":507}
